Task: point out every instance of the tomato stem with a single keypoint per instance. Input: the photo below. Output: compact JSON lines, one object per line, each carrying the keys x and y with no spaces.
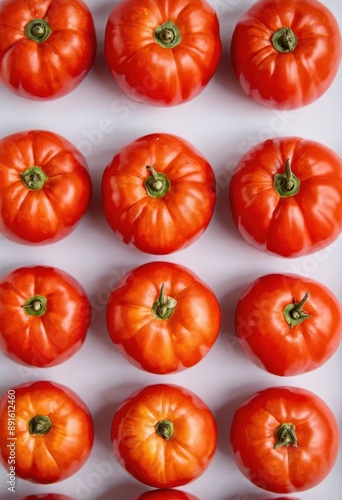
{"x":294,"y":313}
{"x":36,"y":305}
{"x":286,"y":436}
{"x":34,"y":178}
{"x":157,"y":184}
{"x":164,"y":428}
{"x":40,"y":425}
{"x":164,"y":306}
{"x":167,"y":35}
{"x":284,"y":40}
{"x":286,"y":184}
{"x":37,"y":30}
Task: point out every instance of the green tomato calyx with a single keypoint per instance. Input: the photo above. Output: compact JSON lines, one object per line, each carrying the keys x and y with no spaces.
{"x":39,"y":425}
{"x":164,"y":306}
{"x":286,"y":436}
{"x":294,"y":314}
{"x":284,"y":40}
{"x":164,"y":429}
{"x":167,"y":35}
{"x":38,"y":30}
{"x":157,"y":184}
{"x":34,"y":178}
{"x":36,"y":305}
{"x":286,"y":184}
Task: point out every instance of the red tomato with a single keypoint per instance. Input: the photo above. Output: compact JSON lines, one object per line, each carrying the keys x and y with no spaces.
{"x":162,"y":52}
{"x":169,"y":494}
{"x":284,"y":439}
{"x":285,"y":55}
{"x":45,"y":187}
{"x":158,"y":193}
{"x":163,"y":317}
{"x":288,"y":324}
{"x":46,"y":47}
{"x":47,"y":429}
{"x":44,"y":315}
{"x":286,"y":196}
{"x":164,"y":435}
{"x":47,"y":496}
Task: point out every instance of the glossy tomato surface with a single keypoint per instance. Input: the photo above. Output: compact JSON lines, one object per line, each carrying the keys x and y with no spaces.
{"x":163,"y":317}
{"x":46,"y":47}
{"x":285,"y":55}
{"x":158,"y":193}
{"x":286,"y":196}
{"x":162,"y":52}
{"x":51,"y":430}
{"x":284,"y":439}
{"x":44,"y":315}
{"x":45,"y":187}
{"x":164,"y":435}
{"x":165,"y":494}
{"x":288,"y":324}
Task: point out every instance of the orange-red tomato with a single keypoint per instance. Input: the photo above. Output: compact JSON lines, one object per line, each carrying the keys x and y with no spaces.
{"x":45,"y":187}
{"x":162,"y":52}
{"x":46,"y":429}
{"x":44,"y":315}
{"x":288,"y":324}
{"x":284,"y":439}
{"x":158,"y":193}
{"x":163,"y":317}
{"x":164,"y":435}
{"x":46,"y":47}
{"x":286,"y":54}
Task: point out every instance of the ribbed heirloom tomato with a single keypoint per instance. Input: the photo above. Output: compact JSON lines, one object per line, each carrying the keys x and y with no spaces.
{"x":44,"y":315}
{"x":288,"y":324}
{"x":158,"y":193}
{"x":286,"y":54}
{"x":46,"y":429}
{"x":46,"y":47}
{"x":284,"y":439}
{"x":163,"y":494}
{"x":163,"y":318}
{"x":162,"y":52}
{"x":164,"y":435}
{"x":286,"y":196}
{"x":45,"y":187}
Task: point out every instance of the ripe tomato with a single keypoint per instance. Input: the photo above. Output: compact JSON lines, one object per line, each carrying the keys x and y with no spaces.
{"x":44,"y":315}
{"x":169,"y":494}
{"x":163,"y":317}
{"x":162,"y":52}
{"x":158,"y":193}
{"x":47,"y":496}
{"x":286,"y":196}
{"x":288,"y":324}
{"x":47,"y":429}
{"x":46,"y":48}
{"x":45,"y":187}
{"x":285,"y":55}
{"x":164,"y":435}
{"x":284,"y":439}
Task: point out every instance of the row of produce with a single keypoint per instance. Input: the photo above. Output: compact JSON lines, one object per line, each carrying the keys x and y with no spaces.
{"x":284,"y":55}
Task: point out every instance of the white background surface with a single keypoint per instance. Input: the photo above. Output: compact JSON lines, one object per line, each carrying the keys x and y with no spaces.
{"x":221,"y":123}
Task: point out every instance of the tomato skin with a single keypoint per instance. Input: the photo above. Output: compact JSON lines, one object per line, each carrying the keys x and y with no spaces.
{"x":293,"y":225}
{"x":152,"y":73}
{"x":270,"y":341}
{"x":165,"y":494}
{"x":49,"y":213}
{"x":286,"y":80}
{"x":163,"y":344}
{"x":285,"y":469}
{"x":51,"y":68}
{"x":57,"y":334}
{"x":173,"y":221}
{"x":64,"y":449}
{"x":156,"y":461}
